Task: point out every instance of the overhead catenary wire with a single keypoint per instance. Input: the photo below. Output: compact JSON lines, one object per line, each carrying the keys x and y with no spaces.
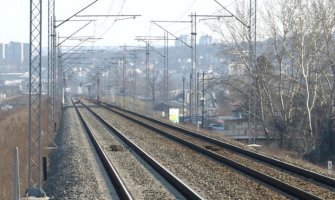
{"x":76,"y":13}
{"x":108,"y":29}
{"x":60,"y":43}
{"x":187,"y":10}
{"x":109,"y":11}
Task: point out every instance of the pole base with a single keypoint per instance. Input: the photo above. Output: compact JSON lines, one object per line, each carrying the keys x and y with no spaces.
{"x":36,"y":193}
{"x":52,"y":145}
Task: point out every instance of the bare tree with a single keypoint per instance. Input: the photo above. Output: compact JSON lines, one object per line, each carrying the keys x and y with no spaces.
{"x":155,"y":83}
{"x":293,"y":80}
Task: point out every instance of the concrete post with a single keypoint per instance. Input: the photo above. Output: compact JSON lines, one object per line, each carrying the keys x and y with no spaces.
{"x":330,"y":167}
{"x":16,"y":175}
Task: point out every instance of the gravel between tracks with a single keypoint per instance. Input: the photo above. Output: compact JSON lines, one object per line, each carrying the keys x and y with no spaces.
{"x":288,"y":157}
{"x":138,"y":179}
{"x":71,"y":174}
{"x":210,"y":179}
{"x":293,"y":179}
{"x":285,"y":156}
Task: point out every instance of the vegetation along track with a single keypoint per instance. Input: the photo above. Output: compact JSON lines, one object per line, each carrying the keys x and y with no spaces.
{"x":173,"y":181}
{"x":289,"y":180}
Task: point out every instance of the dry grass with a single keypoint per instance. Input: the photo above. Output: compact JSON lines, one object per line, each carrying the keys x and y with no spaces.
{"x":14,"y":133}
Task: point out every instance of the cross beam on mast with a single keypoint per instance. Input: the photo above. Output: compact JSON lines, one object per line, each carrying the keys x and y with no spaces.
{"x":68,"y":19}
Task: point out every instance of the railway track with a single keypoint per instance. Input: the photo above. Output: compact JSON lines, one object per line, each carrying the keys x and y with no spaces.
{"x":120,"y":188}
{"x":119,"y":185}
{"x":322,"y":179}
{"x":303,"y":184}
{"x":210,"y":179}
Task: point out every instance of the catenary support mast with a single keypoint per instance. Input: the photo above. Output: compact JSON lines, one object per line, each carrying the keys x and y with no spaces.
{"x":35,"y":94}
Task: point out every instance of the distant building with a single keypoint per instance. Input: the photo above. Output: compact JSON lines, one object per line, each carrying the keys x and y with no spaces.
{"x":185,"y":38}
{"x":13,"y":54}
{"x":1,"y":52}
{"x":236,"y":69}
{"x":25,"y":52}
{"x":205,"y":40}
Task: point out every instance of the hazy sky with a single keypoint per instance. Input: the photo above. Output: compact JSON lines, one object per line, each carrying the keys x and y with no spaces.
{"x":14,"y":18}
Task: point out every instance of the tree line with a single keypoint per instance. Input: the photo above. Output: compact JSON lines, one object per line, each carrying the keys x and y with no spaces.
{"x":290,"y":84}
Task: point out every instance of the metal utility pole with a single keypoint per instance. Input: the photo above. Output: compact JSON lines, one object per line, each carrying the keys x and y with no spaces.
{"x":147,"y":53}
{"x":183,"y":98}
{"x":16,"y":175}
{"x":58,"y":84}
{"x":148,"y":46}
{"x":165,"y":56}
{"x":123,"y":75}
{"x":193,"y":84}
{"x":252,"y":28}
{"x":193,"y":46}
{"x":51,"y":15}
{"x":252,"y":51}
{"x":203,"y":101}
{"x":134,"y":74}
{"x":123,"y":17}
{"x":58,"y":81}
{"x":51,"y":67}
{"x":133,"y":53}
{"x":190,"y":97}
{"x":54,"y":71}
{"x":35,"y":96}
{"x":98,"y":87}
{"x":115,"y":86}
{"x":190,"y":46}
{"x":250,"y":58}
{"x":197,"y":96}
{"x":133,"y":83}
{"x":194,"y":67}
{"x":126,"y":90}
{"x":166,"y":65}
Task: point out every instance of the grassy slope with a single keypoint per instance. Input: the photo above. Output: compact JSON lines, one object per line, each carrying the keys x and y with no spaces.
{"x":14,"y":133}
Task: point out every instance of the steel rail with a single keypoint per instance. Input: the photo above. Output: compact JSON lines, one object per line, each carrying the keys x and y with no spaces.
{"x":171,"y":178}
{"x":272,"y":161}
{"x":285,"y":187}
{"x":120,"y":188}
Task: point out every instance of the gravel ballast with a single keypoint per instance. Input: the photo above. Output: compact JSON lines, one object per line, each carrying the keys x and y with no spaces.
{"x":136,"y":175}
{"x":293,"y":179}
{"x":73,"y":169}
{"x":210,"y":179}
